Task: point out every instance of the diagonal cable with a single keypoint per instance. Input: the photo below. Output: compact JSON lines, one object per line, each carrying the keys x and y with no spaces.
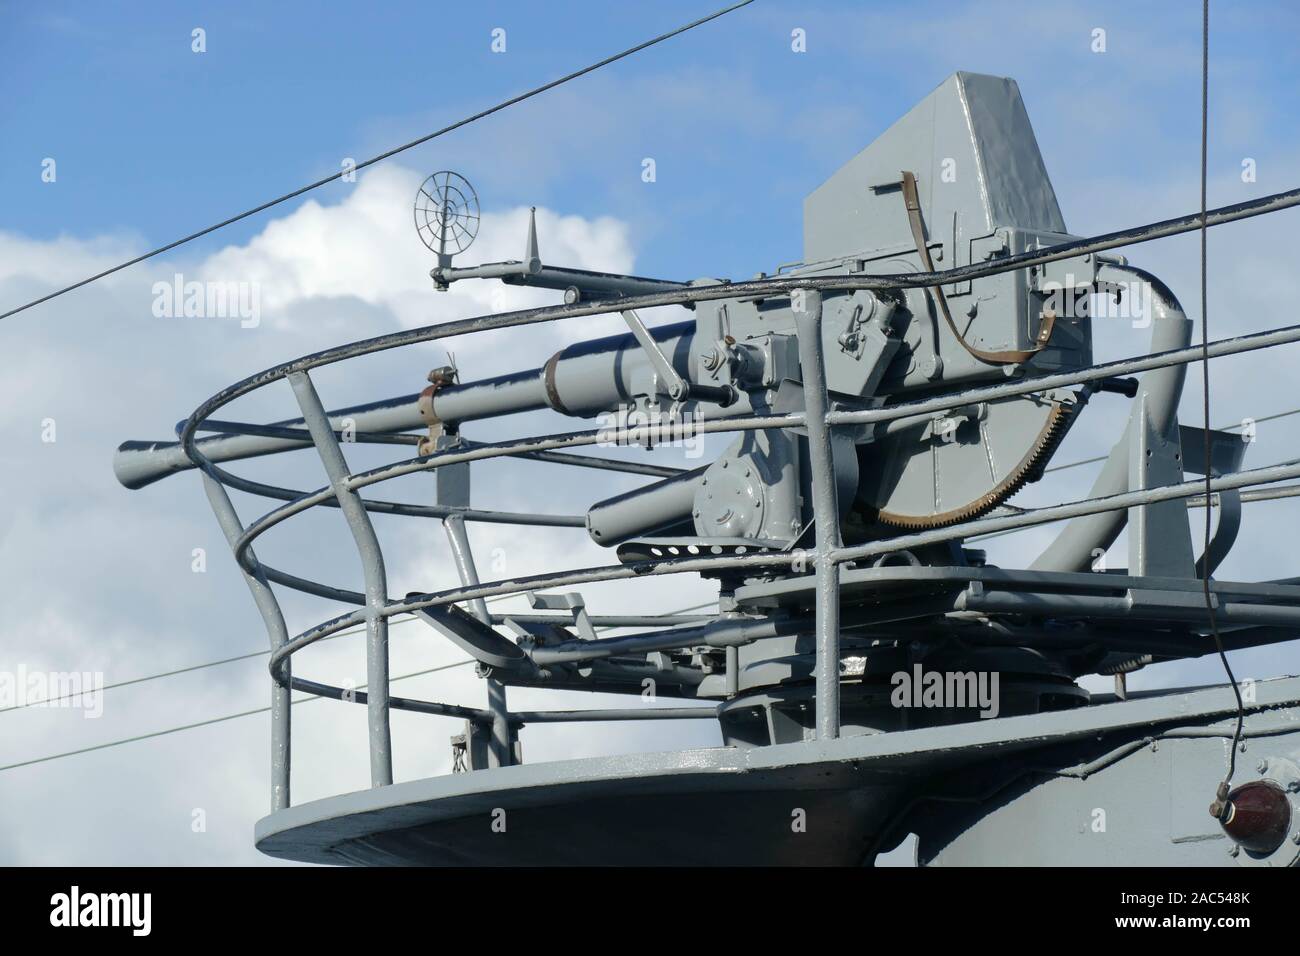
{"x":382,"y":156}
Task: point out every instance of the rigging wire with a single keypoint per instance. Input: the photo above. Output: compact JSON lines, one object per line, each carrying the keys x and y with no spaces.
{"x":1250,"y":496}
{"x":209,"y":722}
{"x":1287,"y":491}
{"x":1225,"y":428}
{"x":382,"y":156}
{"x":1220,"y":804}
{"x":46,"y":701}
{"x":1205,"y":576}
{"x":258,"y":710}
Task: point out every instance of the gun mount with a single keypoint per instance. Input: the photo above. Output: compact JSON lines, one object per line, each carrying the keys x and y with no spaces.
{"x":884,"y":412}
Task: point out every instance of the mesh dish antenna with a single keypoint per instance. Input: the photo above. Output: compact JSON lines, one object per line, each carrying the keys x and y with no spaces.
{"x":797,"y":671}
{"x":446,"y":214}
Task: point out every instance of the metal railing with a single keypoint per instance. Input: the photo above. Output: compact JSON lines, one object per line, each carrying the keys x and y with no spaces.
{"x":375,"y":607}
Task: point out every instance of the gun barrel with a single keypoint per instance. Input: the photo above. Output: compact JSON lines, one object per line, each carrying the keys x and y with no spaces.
{"x":140,"y":463}
{"x":582,"y":380}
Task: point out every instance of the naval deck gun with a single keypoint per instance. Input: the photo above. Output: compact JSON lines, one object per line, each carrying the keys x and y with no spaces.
{"x":884,"y":412}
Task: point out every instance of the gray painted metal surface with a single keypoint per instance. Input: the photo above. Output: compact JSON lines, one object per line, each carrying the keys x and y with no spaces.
{"x":734,"y":805}
{"x":869,"y":420}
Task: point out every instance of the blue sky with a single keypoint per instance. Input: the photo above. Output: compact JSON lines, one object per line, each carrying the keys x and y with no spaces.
{"x":153,"y":141}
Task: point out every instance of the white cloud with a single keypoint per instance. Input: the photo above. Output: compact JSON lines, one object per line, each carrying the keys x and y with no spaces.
{"x":106,"y":574}
{"x":61,"y":261}
{"x":366,"y":248}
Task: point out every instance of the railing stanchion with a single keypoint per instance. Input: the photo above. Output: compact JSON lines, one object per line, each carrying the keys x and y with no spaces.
{"x":372,"y":562}
{"x":269,"y":606}
{"x":826,"y":512}
{"x":499,"y":748}
{"x":141,"y":463}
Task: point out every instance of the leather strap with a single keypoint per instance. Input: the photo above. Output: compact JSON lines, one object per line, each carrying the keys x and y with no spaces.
{"x":1009,"y":357}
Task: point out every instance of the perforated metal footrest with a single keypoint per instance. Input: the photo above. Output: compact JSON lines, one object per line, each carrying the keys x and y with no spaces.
{"x":663,"y":549}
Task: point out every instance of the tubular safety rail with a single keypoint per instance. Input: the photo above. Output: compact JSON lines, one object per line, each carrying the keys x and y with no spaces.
{"x":375,"y":608}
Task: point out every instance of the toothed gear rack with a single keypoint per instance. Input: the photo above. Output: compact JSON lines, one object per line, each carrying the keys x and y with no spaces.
{"x":884,"y":411}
